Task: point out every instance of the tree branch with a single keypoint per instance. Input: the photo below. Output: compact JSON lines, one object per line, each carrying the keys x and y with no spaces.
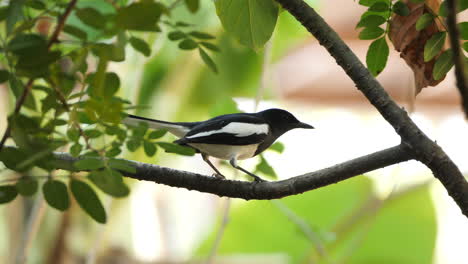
{"x":27,"y":88}
{"x":454,"y":35}
{"x":253,"y":190}
{"x":425,"y":149}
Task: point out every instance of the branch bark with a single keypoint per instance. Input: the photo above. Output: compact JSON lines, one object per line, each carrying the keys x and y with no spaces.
{"x":454,"y":35}
{"x":261,"y":190}
{"x":426,"y":151}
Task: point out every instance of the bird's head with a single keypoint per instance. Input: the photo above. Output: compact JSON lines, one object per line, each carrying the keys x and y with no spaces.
{"x":282,"y":121}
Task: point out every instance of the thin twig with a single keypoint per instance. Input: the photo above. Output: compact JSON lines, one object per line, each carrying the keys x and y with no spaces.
{"x":454,"y":35}
{"x":27,"y":89}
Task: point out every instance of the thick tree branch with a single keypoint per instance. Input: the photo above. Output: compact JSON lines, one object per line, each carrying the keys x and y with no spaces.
{"x":425,"y":149}
{"x":253,"y":190}
{"x":454,"y":35}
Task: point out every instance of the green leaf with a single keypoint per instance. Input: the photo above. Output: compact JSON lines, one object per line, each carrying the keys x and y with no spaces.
{"x":91,"y":17}
{"x":443,"y":11}
{"x":251,"y":22}
{"x":4,"y":76}
{"x":370,"y":2}
{"x":133,"y":145}
{"x":201,"y":35}
{"x":141,"y":46}
{"x":36,"y":4}
{"x":465,"y":46}
{"x":113,"y":152}
{"x":278,"y":147}
{"x":371,"y":21}
{"x":210,"y":46}
{"x":88,"y":200}
{"x":92,"y":133}
{"x":29,"y":45}
{"x":401,"y":9}
{"x":26,"y":186}
{"x":157,"y":134}
{"x":110,"y":182}
{"x":371,"y":33}
{"x":207,"y":60}
{"x":424,"y":21}
{"x":377,"y":56}
{"x":141,"y":16}
{"x":434,"y":45}
{"x":192,"y":5}
{"x":122,"y":165}
{"x":73,"y":134}
{"x":56,"y":194}
{"x":76,"y":149}
{"x":188,"y":44}
{"x":111,"y":84}
{"x":14,"y":14}
{"x":264,"y":167}
{"x":150,"y":148}
{"x":7,"y":193}
{"x":75,"y":31}
{"x":11,"y":157}
{"x":176,"y":35}
{"x":443,"y":65}
{"x":379,"y":7}
{"x":174,"y":148}
{"x":89,"y":164}
{"x":463,"y":27}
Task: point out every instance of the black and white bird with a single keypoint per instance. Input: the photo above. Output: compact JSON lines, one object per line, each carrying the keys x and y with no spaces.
{"x":229,"y":137}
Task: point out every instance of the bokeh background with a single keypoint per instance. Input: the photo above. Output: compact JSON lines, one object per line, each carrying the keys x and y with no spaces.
{"x":398,"y":214}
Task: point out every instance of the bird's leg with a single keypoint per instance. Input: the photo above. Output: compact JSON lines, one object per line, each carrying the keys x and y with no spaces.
{"x":217,"y":174}
{"x":234,"y":164}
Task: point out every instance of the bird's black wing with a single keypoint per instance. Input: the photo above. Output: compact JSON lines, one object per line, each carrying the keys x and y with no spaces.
{"x":232,"y":129}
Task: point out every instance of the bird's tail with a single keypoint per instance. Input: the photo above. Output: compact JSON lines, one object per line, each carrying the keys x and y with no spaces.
{"x":178,"y":129}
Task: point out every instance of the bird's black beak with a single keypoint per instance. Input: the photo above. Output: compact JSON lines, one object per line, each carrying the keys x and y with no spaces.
{"x":304,"y":125}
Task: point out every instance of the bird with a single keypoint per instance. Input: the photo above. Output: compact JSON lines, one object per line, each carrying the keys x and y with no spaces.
{"x":230,"y":137}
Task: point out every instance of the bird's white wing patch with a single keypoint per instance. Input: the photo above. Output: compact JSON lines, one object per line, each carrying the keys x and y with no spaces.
{"x":236,"y":128}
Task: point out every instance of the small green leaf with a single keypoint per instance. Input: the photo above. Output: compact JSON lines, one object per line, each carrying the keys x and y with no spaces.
{"x":112,"y":84}
{"x":150,"y":148}
{"x":463,"y":27}
{"x":210,"y":46}
{"x":88,"y":200}
{"x":192,"y":5}
{"x":56,"y":194}
{"x":122,"y":165}
{"x":110,"y":182}
{"x":379,"y":7}
{"x":141,"y":16}
{"x":278,"y":147}
{"x":371,"y":21}
{"x":4,"y":76}
{"x":28,"y":45}
{"x":7,"y":193}
{"x":36,"y":4}
{"x":157,"y":134}
{"x":424,"y":21}
{"x":264,"y":167}
{"x":91,"y":17}
{"x":75,"y":31}
{"x":92,"y":133}
{"x":26,"y":186}
{"x":76,"y":149}
{"x":89,"y":164}
{"x":113,"y":152}
{"x":207,"y":60}
{"x":14,"y":14}
{"x":401,"y":9}
{"x":176,"y":35}
{"x":141,"y":46}
{"x":377,"y":56}
{"x":370,"y":2}
{"x":443,"y":65}
{"x":371,"y":33}
{"x":465,"y":46}
{"x":174,"y":148}
{"x":73,"y":134}
{"x":434,"y":45}
{"x":251,"y":22}
{"x":188,"y":44}
{"x":133,"y":144}
{"x":201,"y":35}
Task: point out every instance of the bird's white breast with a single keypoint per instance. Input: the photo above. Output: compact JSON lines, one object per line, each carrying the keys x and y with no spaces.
{"x":236,"y":128}
{"x":226,"y":152}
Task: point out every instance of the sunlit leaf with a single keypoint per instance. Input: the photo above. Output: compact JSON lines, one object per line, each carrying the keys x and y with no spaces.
{"x":278,"y":147}
{"x":442,"y":65}
{"x":110,"y":182}
{"x":89,"y":164}
{"x":88,"y":200}
{"x":371,"y":21}
{"x":377,"y":56}
{"x":379,"y":7}
{"x":76,"y":149}
{"x":264,"y":167}
{"x":434,"y":45}
{"x":371,"y":33}
{"x":424,"y":21}
{"x":463,"y":27}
